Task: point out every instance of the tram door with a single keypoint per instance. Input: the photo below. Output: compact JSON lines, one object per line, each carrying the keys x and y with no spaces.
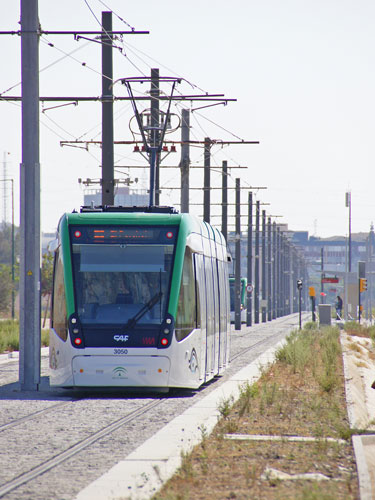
{"x":216,"y":315}
{"x":210,"y":311}
{"x":201,"y":311}
{"x":223,"y":314}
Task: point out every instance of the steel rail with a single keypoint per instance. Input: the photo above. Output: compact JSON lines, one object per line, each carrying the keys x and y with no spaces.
{"x":73,"y":450}
{"x":33,"y":415}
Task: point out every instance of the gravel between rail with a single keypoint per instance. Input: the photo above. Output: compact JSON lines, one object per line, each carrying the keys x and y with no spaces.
{"x":36,"y":427}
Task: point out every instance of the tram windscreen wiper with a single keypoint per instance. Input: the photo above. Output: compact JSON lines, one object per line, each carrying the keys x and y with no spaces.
{"x":147,"y":307}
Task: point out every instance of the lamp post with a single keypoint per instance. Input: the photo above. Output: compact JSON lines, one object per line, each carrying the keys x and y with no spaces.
{"x":13,"y":249}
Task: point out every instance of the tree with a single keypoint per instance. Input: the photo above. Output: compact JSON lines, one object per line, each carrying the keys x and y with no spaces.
{"x":6,"y":243}
{"x":47,"y":273}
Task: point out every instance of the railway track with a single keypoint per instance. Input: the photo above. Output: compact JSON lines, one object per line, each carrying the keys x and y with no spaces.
{"x":36,"y":414}
{"x":76,"y":448}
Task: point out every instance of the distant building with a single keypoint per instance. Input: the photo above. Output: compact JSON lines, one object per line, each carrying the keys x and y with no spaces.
{"x":124,"y":196}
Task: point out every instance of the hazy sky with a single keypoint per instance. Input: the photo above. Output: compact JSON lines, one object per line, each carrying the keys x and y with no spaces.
{"x":302,"y":73}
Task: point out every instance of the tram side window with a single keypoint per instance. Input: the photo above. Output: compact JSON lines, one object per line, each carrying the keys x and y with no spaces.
{"x":186,"y":310}
{"x":197,"y":294}
{"x":59,"y":318}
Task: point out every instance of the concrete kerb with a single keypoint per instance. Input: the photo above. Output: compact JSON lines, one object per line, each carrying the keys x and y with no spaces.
{"x":144,"y":471}
{"x":360,"y":406}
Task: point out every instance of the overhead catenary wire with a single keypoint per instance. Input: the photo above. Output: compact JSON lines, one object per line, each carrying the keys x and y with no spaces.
{"x":119,"y":17}
{"x":48,"y":65}
{"x":65,"y":55}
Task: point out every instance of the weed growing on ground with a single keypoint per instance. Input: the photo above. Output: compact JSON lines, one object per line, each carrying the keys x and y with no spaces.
{"x":186,"y":468}
{"x":358,"y":330}
{"x":225,"y":406}
{"x":314,"y":492}
{"x":247,"y":393}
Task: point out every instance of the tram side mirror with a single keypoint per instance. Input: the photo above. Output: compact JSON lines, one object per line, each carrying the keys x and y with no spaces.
{"x":229,"y":258}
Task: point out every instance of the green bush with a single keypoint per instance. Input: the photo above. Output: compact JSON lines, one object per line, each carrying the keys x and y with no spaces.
{"x":310,"y":325}
{"x":9,"y":336}
{"x":317,"y":349}
{"x":352,"y":327}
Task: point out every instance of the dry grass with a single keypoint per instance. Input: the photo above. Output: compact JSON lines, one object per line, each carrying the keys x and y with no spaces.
{"x":301,"y":394}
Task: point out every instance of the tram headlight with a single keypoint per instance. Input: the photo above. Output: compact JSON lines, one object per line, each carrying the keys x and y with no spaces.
{"x":166,"y":330}
{"x":75,"y":332}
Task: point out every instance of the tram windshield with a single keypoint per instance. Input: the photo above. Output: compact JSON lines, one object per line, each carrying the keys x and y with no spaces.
{"x":122,"y":277}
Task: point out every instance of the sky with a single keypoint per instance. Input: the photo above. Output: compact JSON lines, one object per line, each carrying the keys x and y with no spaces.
{"x":302,"y":72}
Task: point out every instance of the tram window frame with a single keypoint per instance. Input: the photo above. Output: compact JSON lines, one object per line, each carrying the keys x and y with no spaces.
{"x":164,"y":241}
{"x":59,"y":315}
{"x":187,"y":300}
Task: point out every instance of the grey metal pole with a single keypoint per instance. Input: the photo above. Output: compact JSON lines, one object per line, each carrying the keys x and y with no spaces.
{"x":278,"y":273}
{"x":350,"y":232}
{"x":107,"y":112}
{"x":284,"y":299}
{"x":153,"y":155}
{"x":274,"y":271}
{"x":29,"y":364}
{"x":224,"y":205}
{"x":287,"y":280}
{"x":249,"y":294}
{"x":237,"y":287}
{"x":13,"y":254}
{"x":264,"y":275}
{"x":256,"y":270}
{"x":185,"y":160}
{"x":207,"y":179}
{"x":269,"y":272}
{"x":291,"y":280}
{"x":155,"y":129}
{"x":322,"y":301}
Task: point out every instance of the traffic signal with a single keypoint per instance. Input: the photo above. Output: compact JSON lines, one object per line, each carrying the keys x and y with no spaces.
{"x":362,"y":284}
{"x":299,"y":284}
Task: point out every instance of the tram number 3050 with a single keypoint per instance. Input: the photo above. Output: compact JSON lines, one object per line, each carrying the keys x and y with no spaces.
{"x":120,"y":351}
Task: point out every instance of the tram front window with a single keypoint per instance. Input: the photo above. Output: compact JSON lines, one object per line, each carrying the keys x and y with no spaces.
{"x":114,"y":282}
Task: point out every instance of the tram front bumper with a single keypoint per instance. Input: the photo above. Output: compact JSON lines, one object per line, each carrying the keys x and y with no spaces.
{"x":120,"y":371}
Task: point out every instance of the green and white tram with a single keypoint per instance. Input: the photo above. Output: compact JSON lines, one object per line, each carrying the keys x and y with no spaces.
{"x":140,"y":299}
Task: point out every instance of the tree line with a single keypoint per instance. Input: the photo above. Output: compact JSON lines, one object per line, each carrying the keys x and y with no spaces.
{"x":6,"y":282}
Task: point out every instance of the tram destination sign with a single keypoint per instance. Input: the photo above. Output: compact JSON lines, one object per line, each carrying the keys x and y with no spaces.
{"x":123,"y":234}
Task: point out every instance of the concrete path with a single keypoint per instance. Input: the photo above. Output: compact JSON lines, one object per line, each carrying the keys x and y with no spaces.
{"x":359,"y":369}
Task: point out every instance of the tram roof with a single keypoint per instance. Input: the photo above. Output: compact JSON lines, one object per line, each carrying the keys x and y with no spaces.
{"x":142,"y":216}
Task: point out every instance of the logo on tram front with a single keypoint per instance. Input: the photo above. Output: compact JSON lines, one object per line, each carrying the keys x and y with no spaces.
{"x":120,"y":372}
{"x":121,"y":338}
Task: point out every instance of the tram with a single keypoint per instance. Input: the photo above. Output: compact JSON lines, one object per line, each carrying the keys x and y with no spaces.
{"x":243,"y":283}
{"x":140,"y":299}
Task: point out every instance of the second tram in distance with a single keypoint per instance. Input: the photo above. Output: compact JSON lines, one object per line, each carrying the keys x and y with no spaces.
{"x":232,"y":286}
{"x":140,"y":299}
